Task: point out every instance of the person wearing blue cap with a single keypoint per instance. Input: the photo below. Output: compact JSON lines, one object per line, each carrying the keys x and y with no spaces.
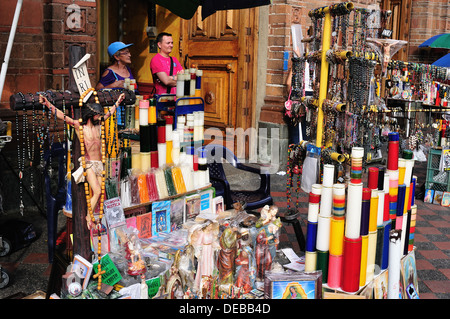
{"x":118,"y":70}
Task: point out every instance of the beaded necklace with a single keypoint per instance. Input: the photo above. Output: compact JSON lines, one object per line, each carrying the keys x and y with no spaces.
{"x":21,"y":155}
{"x":98,"y":223}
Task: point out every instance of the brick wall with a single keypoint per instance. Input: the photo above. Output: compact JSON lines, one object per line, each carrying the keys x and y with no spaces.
{"x":39,"y":57}
{"x":428,"y":18}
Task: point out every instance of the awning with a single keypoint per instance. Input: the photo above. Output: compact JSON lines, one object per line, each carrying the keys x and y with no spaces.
{"x":185,"y":9}
{"x":440,"y":41}
{"x":444,"y":61}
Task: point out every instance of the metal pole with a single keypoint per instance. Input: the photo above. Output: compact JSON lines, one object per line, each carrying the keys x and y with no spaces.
{"x":9,"y":46}
{"x":326,"y":42}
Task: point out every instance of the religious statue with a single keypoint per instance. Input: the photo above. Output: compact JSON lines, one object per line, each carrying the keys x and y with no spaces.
{"x":245,"y":269}
{"x":130,"y":242}
{"x":266,"y":239}
{"x":92,"y":115}
{"x":186,"y":266}
{"x":227,"y":253}
{"x":204,"y":238}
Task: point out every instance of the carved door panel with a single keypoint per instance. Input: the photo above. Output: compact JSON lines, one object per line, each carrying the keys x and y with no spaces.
{"x":221,"y":46}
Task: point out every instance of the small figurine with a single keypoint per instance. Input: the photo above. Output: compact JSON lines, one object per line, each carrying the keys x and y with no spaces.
{"x":245,"y":270}
{"x":204,"y":239}
{"x":136,"y":265}
{"x":227,"y":253}
{"x":186,"y":266}
{"x":266,"y":239}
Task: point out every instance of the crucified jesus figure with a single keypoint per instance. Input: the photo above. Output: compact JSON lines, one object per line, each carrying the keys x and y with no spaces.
{"x":92,"y":115}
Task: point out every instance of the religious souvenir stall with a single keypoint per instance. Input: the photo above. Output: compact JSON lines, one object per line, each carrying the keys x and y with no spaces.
{"x":142,"y":218}
{"x":366,"y":125}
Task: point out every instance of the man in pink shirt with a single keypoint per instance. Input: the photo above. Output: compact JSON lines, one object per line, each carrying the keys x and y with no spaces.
{"x":164,"y":80}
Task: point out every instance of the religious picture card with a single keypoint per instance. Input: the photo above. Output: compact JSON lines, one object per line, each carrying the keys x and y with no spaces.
{"x":114,"y":213}
{"x":429,"y":196}
{"x":445,"y":199}
{"x":82,"y":268}
{"x":144,"y":225}
{"x":408,"y":277}
{"x":380,"y":285}
{"x":161,"y":217}
{"x":437,"y":197}
{"x":293,"y":285}
{"x":217,"y":205}
{"x":192,"y":206}
{"x":177,"y":213}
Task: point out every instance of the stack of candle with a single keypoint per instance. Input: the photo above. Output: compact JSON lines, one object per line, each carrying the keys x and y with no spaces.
{"x":364,"y":232}
{"x":161,"y":147}
{"x":336,"y":236}
{"x":311,"y":228}
{"x":351,"y":263}
{"x":387,"y":223}
{"x":169,"y":140}
{"x":380,"y":218}
{"x":324,"y":221}
{"x":146,"y":135}
{"x":393,"y":171}
{"x":395,"y":254}
{"x":374,"y":202}
{"x":412,"y":219}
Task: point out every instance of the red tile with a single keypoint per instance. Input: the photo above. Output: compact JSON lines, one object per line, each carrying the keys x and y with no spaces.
{"x":420,"y":238}
{"x":443,"y":245}
{"x":427,"y":295}
{"x":423,"y":264}
{"x":278,"y":194}
{"x":36,"y":258}
{"x":430,"y":231}
{"x":440,"y":224}
{"x":433,"y":254}
{"x":446,"y":272}
{"x":437,"y":286}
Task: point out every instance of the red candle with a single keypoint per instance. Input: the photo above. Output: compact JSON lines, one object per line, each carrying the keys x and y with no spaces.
{"x":373,"y":178}
{"x":351,"y":264}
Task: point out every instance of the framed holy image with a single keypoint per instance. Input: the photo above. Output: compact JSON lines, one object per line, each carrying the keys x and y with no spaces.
{"x":298,"y":285}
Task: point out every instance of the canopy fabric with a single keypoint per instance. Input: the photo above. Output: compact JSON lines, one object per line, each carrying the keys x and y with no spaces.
{"x":441,"y":41}
{"x":444,"y":61}
{"x":186,"y":9}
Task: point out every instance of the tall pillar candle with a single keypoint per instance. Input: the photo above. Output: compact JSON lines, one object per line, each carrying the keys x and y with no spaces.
{"x":311,"y":230}
{"x":143,"y":112}
{"x":395,"y":254}
{"x":412,"y":228}
{"x":339,"y":200}
{"x":401,"y":171}
{"x":353,"y":211}
{"x":364,"y":232}
{"x":161,"y":142}
{"x":351,"y":264}
{"x":393,"y":151}
{"x":328,"y":175}
{"x":356,"y":165}
{"x":385,"y":254}
{"x":387,"y":197}
{"x":326,"y":201}
{"x":400,"y":206}
{"x":393,"y":194}
{"x":169,"y":141}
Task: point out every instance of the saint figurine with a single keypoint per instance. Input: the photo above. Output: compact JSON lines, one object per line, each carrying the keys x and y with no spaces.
{"x":204,"y":238}
{"x":227,"y":253}
{"x":245,"y":270}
